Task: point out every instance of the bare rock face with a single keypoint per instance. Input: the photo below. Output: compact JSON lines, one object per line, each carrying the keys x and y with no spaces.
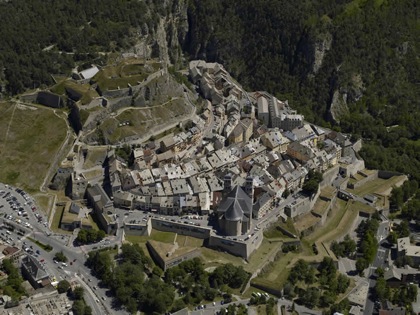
{"x":321,"y":47}
{"x":338,"y":105}
{"x":345,"y":95}
{"x":165,"y":40}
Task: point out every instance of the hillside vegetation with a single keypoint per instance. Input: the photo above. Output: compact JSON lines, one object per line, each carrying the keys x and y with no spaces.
{"x":361,"y":56}
{"x":27,"y":155}
{"x":350,"y":64}
{"x":43,"y":38}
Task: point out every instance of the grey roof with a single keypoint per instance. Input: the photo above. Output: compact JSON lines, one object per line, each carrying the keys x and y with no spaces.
{"x":34,"y":268}
{"x":392,"y":273}
{"x":236,"y":205}
{"x":100,"y":197}
{"x":74,"y":208}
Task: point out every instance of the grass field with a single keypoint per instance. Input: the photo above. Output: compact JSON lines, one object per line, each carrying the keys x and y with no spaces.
{"x":44,"y":202}
{"x":142,"y":119}
{"x":344,"y":225}
{"x":338,"y":212}
{"x":164,"y":237}
{"x":189,"y":241}
{"x":88,"y":94}
{"x":30,"y":137}
{"x":95,"y":157}
{"x":92,"y":174}
{"x":335,"y":225}
{"x":379,"y":186}
{"x":274,"y":231}
{"x":130,"y":71}
{"x":55,"y":224}
{"x":277,"y":276}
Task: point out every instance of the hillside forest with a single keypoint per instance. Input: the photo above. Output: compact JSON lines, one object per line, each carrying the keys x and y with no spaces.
{"x":351,"y":65}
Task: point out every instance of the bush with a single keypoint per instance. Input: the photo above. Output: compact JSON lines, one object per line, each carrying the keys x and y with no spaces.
{"x":90,"y":236}
{"x":63,"y":286}
{"x":59,"y":256}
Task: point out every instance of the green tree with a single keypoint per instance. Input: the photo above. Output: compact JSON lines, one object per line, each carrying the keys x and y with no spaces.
{"x":78,"y":293}
{"x":381,"y":289}
{"x":412,"y":292}
{"x":327,"y":268}
{"x":310,"y":187}
{"x":242,"y":310}
{"x":88,"y":310}
{"x":78,"y":307}
{"x":311,"y":297}
{"x":100,"y":234}
{"x":82,"y":236}
{"x":63,"y":286}
{"x":380,"y":272}
{"x":327,"y":299}
{"x":86,"y":236}
{"x":361,"y":265}
{"x":13,"y":286}
{"x":59,"y":256}
{"x":343,"y":307}
{"x":343,"y":283}
{"x":230,"y":275}
{"x":178,"y":305}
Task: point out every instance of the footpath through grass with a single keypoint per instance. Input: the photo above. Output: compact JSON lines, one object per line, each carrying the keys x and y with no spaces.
{"x":31,"y":136}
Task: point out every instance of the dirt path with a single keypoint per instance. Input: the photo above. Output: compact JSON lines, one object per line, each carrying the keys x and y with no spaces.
{"x":58,"y":154}
{"x":10,"y":123}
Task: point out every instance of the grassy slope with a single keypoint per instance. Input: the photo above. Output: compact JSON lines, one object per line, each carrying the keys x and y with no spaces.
{"x":28,"y":143}
{"x":142,"y":119}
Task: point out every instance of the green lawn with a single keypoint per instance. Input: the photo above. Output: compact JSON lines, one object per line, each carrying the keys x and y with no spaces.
{"x":95,"y":157}
{"x":129,"y":71}
{"x":44,"y":202}
{"x":30,"y":137}
{"x":258,"y":258}
{"x":93,"y":223}
{"x":336,"y":226}
{"x":159,"y":236}
{"x":88,"y":94}
{"x":189,"y":241}
{"x":214,"y":258}
{"x":142,"y":119}
{"x":332,"y":222}
{"x":136,"y":239}
{"x":378,"y":186}
{"x":55,"y":225}
{"x":273,"y":232}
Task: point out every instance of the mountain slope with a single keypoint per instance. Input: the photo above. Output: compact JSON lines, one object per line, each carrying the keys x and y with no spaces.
{"x":354,"y":63}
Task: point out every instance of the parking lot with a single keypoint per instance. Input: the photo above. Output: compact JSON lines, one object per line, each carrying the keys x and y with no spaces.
{"x":19,"y":207}
{"x":18,"y":215}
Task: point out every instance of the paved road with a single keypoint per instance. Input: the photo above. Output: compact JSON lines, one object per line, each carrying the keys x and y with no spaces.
{"x":38,"y":230}
{"x":380,"y":261}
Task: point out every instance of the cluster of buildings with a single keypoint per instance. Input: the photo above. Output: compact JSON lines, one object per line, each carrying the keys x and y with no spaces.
{"x":236,"y":162}
{"x":32,"y":270}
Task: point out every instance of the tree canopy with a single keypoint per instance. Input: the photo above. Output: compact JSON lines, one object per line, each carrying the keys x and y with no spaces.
{"x":54,"y":35}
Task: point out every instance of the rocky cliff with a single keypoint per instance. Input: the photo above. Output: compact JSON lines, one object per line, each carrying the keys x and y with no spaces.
{"x":165,"y":41}
{"x":326,"y":59}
